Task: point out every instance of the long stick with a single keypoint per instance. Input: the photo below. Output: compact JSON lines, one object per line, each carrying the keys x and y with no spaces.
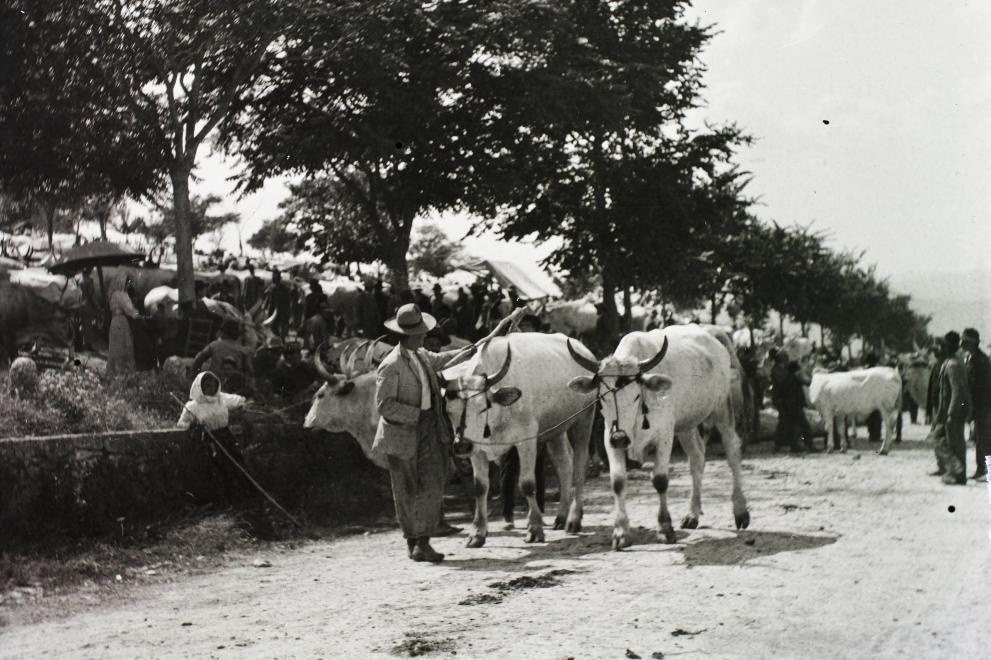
{"x":245,"y":472}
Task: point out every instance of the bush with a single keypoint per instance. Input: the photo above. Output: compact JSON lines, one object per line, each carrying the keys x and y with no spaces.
{"x":80,"y":401}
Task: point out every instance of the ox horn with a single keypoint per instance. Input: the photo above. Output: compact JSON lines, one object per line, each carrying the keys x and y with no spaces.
{"x":647,"y":365}
{"x":346,"y":355}
{"x":371,"y":347}
{"x":321,"y":367}
{"x":584,"y":362}
{"x":490,"y":381}
{"x":271,"y":319}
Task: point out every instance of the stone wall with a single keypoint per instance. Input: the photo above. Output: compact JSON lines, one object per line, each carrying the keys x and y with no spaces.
{"x":116,"y":483}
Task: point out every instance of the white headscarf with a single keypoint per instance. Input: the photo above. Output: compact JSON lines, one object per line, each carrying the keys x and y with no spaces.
{"x":210,"y":411}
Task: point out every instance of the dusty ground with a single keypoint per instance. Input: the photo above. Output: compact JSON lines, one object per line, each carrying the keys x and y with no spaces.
{"x":848,"y":556}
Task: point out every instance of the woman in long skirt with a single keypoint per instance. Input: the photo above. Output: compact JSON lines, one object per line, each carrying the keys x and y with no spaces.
{"x":121,"y":354}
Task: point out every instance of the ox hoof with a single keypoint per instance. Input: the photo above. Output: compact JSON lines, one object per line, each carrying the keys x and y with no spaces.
{"x":742,"y":520}
{"x":476,"y":541}
{"x":843,"y":451}
{"x":690,"y":522}
{"x":882,"y":452}
{"x":620,"y":540}
{"x":573,"y":526}
{"x":666,"y":534}
{"x":559,"y":522}
{"x":829,"y":450}
{"x":534,"y":536}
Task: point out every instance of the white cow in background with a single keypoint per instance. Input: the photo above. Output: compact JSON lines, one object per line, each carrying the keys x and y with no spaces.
{"x":857,"y":394}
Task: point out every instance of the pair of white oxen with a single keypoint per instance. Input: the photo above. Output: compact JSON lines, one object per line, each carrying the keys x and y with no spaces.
{"x":530,"y":387}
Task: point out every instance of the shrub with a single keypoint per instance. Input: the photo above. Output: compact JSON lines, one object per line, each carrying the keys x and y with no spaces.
{"x":80,"y":401}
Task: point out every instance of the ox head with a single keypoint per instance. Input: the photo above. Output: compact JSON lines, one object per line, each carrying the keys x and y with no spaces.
{"x":475,"y":399}
{"x":624,"y":384}
{"x":345,"y":403}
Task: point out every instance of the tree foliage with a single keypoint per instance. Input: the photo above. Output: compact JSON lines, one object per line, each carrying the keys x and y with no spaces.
{"x":433,"y":253}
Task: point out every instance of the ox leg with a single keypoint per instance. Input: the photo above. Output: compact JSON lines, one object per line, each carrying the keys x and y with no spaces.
{"x":617,"y":478}
{"x":528,"y":484}
{"x":579,"y":435}
{"x":662,"y":470}
{"x":560,"y":453}
{"x":734,"y":455}
{"x":694,"y":448}
{"x":845,"y":440}
{"x":480,"y":471}
{"x":890,"y":420}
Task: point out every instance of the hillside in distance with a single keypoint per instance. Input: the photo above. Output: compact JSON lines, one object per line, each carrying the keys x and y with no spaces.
{"x":955,"y":300}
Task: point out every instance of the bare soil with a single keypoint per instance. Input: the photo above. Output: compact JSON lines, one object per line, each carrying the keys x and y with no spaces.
{"x":848,"y":556}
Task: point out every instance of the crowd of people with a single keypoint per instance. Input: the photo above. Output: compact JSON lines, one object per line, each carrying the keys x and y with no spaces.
{"x":958,"y":395}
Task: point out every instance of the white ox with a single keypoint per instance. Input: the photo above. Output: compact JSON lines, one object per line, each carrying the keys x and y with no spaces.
{"x":658,"y":384}
{"x":512,"y":393}
{"x":857,"y":394}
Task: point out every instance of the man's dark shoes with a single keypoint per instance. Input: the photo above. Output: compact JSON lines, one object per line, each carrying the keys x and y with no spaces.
{"x":979,"y":476}
{"x":937,"y":473}
{"x":955,"y":480}
{"x":410,"y":545}
{"x":423,"y":552}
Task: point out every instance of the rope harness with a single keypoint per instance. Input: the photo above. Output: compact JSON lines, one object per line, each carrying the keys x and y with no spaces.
{"x":459,"y":432}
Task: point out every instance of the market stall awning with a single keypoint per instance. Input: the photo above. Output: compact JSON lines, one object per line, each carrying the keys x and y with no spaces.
{"x":530,"y":281}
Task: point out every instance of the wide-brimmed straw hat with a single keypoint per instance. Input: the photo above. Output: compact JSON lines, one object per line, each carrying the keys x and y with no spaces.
{"x":409,"y":320}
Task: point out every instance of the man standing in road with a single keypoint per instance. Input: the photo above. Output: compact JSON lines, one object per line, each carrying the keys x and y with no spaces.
{"x":413,"y":429}
{"x":951,"y":414}
{"x":979,"y":379}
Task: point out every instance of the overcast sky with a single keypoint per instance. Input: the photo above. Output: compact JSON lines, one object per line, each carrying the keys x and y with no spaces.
{"x":902,"y":169}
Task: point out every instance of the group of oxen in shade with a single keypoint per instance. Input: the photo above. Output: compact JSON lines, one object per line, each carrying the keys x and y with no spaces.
{"x":526,"y":388}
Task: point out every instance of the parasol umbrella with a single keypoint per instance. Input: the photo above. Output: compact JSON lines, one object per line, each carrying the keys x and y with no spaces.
{"x":98,"y":254}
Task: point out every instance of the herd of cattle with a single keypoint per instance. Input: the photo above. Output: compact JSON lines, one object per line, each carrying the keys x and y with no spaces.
{"x":529,"y":388}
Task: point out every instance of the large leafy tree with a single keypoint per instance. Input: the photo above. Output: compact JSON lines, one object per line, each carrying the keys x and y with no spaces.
{"x":600,"y":155}
{"x":433,"y":253}
{"x":66,"y":145}
{"x":367,"y":98}
{"x":170,"y":70}
{"x":330,"y":221}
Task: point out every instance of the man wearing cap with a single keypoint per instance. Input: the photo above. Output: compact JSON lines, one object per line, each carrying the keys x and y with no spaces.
{"x":951,"y":414}
{"x":413,"y":429}
{"x":978,"y":368}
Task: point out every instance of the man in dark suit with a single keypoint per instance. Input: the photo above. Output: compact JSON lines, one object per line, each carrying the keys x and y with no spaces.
{"x":413,"y":430}
{"x":979,"y":380}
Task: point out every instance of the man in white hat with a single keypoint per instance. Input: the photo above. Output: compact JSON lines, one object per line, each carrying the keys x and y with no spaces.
{"x":413,"y":429}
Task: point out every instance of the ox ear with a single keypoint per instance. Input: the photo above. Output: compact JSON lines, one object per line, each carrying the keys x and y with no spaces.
{"x":657,"y":383}
{"x":507,"y":396}
{"x":583,"y":384}
{"x":345,"y":388}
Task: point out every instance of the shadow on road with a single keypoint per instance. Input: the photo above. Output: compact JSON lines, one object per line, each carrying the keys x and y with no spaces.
{"x":597,"y":540}
{"x":744,"y":546}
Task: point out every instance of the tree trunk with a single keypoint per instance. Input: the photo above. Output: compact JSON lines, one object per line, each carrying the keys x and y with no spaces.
{"x":399,"y":269}
{"x":609,"y":313}
{"x":183,"y":235}
{"x":627,"y":311}
{"x":805,"y":329}
{"x":781,"y":325}
{"x":713,"y":309}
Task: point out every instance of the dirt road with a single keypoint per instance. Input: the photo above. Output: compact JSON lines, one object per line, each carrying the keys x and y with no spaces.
{"x":848,"y":556}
